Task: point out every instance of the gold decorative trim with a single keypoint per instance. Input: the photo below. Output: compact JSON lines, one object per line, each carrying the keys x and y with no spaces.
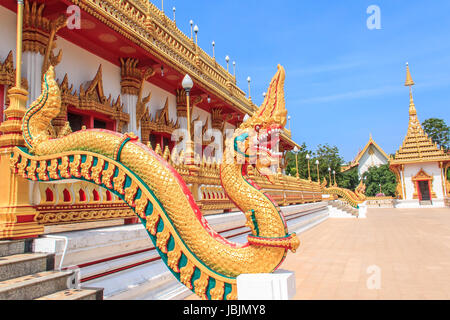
{"x":132,"y":77}
{"x":161,"y":123}
{"x":92,"y":98}
{"x":8,"y":75}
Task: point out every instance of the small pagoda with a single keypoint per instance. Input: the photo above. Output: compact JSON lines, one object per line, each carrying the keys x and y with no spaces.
{"x":420,"y":166}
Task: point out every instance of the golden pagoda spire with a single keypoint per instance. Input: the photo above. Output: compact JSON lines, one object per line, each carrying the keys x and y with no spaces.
{"x":409,"y":83}
{"x":417,"y":146}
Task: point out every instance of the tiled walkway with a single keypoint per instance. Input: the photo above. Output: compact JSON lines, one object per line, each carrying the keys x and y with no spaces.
{"x":408,"y":249}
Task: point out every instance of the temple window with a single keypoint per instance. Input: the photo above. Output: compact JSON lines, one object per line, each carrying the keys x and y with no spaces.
{"x":99,"y":124}
{"x":96,"y":195}
{"x":48,"y":195}
{"x":162,"y":139}
{"x":66,"y":195}
{"x":82,"y":195}
{"x":89,"y":119}
{"x":75,"y":121}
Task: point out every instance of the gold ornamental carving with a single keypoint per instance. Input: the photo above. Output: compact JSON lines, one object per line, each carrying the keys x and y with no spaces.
{"x":161,"y":123}
{"x":92,"y":98}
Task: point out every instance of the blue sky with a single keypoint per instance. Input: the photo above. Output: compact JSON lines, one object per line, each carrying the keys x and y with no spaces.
{"x":343,"y":81}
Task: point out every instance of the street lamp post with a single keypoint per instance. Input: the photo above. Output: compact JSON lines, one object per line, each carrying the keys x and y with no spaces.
{"x":334,"y":175}
{"x":196,"y":32}
{"x":191,"y":22}
{"x":214,"y":45}
{"x":309,"y":171}
{"x":249,"y":80}
{"x":296,"y":161}
{"x":380,"y":187}
{"x":227,"y":59}
{"x":187,"y":84}
{"x":329,"y":174}
{"x":318,"y":174}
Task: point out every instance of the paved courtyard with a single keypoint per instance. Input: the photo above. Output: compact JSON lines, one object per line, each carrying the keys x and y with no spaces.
{"x":410,"y":247}
{"x":407,"y":250}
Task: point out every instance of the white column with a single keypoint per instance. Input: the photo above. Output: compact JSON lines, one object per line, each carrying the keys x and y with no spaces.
{"x":402,"y":178}
{"x":129,"y":102}
{"x":32,"y":71}
{"x":182,"y":121}
{"x":444,"y":182}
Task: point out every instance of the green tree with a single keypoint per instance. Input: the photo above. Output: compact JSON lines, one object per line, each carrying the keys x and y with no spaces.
{"x":302,"y":162}
{"x":328,"y":157}
{"x":348,"y":179}
{"x":380,"y":175}
{"x":438,"y":131}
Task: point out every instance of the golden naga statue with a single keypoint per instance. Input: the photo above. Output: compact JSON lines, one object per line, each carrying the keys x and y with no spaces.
{"x":360,"y":190}
{"x":198,"y":256}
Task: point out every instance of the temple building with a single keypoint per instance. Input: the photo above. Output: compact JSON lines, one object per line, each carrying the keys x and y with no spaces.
{"x":118,"y":77}
{"x":120,"y":66}
{"x":371,"y":155}
{"x":420,"y":166}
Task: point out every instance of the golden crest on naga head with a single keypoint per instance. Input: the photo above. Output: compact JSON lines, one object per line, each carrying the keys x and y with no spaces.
{"x":272,"y":111}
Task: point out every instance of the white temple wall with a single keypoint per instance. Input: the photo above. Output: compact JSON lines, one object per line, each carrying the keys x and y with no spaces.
{"x":370,"y":160}
{"x":129,"y":106}
{"x":431,"y":169}
{"x":32,"y":70}
{"x":7,"y":33}
{"x":81,"y":66}
{"x":158,"y":100}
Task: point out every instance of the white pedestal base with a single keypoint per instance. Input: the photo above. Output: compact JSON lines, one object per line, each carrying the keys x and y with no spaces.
{"x":362,"y":210}
{"x":279,"y":285}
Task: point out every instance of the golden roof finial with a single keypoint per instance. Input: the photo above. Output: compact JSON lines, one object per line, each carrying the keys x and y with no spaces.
{"x":412,"y":107}
{"x":409,"y":81}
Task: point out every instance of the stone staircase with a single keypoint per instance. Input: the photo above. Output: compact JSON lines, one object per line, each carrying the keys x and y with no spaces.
{"x":31,"y":276}
{"x":340,"y":209}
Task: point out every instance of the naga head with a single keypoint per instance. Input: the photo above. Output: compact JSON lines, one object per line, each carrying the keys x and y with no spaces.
{"x":37,"y":121}
{"x":256,"y":140}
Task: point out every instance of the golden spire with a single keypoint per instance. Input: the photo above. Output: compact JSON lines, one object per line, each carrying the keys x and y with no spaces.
{"x":409,"y":83}
{"x":416,"y":147}
{"x":412,"y":107}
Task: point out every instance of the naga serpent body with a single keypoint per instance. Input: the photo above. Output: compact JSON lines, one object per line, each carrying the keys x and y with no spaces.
{"x":198,"y":256}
